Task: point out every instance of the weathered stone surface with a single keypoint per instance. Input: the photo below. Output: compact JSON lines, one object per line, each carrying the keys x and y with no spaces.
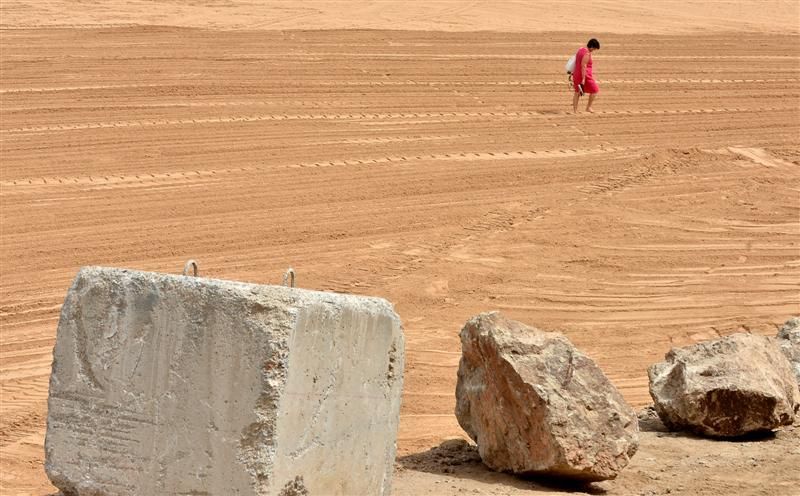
{"x":535,"y":404}
{"x":174,"y":385}
{"x":789,"y":341}
{"x":649,"y":421}
{"x":728,"y":387}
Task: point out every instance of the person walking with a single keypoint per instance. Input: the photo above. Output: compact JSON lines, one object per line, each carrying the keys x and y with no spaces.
{"x":582,"y":79}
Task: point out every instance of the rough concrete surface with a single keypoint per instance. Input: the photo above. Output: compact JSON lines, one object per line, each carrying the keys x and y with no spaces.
{"x":535,"y":404}
{"x":167,"y":384}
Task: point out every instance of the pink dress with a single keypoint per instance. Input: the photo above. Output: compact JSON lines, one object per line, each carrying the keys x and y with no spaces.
{"x":591,"y":85}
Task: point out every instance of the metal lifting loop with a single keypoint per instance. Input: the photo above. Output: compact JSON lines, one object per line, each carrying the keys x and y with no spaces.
{"x":193,"y":265}
{"x":288,"y":278}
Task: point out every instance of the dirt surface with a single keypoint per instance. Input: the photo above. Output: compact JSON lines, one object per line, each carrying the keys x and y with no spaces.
{"x":441,"y":170}
{"x":617,"y":16}
{"x":667,"y":463}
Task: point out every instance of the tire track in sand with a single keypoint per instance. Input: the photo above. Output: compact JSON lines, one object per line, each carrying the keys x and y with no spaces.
{"x":366,"y":116}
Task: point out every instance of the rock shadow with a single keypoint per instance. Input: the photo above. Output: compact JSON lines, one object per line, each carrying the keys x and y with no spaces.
{"x":649,"y":421}
{"x":753,"y":437}
{"x":458,"y":458}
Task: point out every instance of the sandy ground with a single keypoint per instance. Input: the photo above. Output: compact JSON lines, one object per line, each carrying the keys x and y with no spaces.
{"x":440,"y":170}
{"x":617,"y":16}
{"x":666,"y":463}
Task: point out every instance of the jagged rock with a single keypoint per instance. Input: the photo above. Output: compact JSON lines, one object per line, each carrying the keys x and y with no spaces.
{"x":535,"y":404}
{"x":728,"y":387}
{"x":789,"y":341}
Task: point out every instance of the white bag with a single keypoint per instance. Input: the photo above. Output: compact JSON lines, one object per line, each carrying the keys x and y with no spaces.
{"x":570,"y":65}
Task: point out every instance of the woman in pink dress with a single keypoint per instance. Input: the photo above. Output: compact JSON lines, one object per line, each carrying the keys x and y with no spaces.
{"x":582,"y":79}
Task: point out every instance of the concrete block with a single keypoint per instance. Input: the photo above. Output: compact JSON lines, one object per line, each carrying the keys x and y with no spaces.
{"x":172,"y":385}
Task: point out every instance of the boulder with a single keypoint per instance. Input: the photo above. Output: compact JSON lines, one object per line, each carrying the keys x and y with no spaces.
{"x":173,"y":385}
{"x":535,"y":404}
{"x":728,"y":387}
{"x":789,"y":341}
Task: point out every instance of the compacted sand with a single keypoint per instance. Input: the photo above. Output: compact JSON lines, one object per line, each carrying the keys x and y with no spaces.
{"x":435,"y":166}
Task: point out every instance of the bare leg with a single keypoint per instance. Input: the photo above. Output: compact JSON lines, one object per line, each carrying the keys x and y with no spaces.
{"x":575,"y":97}
{"x":589,"y":103}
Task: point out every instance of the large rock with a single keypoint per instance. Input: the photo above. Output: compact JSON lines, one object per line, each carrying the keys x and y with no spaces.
{"x":175,"y":385}
{"x":535,"y":404}
{"x":789,"y":341}
{"x":732,"y":386}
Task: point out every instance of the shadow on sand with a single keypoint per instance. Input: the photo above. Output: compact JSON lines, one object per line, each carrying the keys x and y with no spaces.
{"x":650,"y":422}
{"x":457,"y":458}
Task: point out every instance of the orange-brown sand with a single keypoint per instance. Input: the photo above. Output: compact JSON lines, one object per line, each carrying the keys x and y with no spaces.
{"x":428,"y":164}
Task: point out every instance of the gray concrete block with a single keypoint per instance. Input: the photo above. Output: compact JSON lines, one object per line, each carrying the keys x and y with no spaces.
{"x":172,"y":385}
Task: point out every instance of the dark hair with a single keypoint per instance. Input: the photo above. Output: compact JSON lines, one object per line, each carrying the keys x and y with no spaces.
{"x":593,"y":43}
